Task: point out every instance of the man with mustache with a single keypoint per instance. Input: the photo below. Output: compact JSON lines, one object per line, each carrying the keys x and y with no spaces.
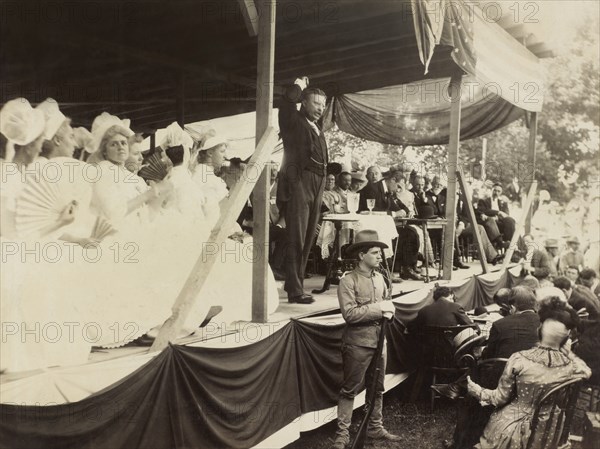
{"x":303,"y":172}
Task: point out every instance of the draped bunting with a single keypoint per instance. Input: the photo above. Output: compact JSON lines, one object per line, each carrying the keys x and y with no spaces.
{"x":219,"y":397}
{"x":481,"y":48}
{"x":419,"y":113}
{"x":503,"y":79}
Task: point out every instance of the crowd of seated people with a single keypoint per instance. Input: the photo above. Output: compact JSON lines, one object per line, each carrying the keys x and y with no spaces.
{"x":544,"y":342}
{"x":133,"y":227}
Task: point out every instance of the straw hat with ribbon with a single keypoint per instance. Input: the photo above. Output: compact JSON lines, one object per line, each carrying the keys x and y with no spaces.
{"x":466,"y":338}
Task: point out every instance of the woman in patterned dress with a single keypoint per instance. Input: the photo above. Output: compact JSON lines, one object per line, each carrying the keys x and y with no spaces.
{"x":529,"y":375}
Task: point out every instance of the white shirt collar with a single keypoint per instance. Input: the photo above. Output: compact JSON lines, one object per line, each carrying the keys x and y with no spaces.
{"x":314,"y":126}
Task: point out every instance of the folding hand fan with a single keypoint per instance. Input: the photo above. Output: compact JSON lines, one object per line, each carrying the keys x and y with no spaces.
{"x":45,"y":196}
{"x":156,"y":167}
{"x":102,"y":228}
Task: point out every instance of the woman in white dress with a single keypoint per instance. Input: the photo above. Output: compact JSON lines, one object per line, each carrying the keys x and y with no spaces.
{"x":132,"y":295}
{"x":238,"y":254}
{"x":26,"y":270}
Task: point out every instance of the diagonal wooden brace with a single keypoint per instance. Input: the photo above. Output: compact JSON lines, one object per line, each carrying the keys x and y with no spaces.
{"x":207,"y":259}
{"x":467,"y":198}
{"x":520,"y":225}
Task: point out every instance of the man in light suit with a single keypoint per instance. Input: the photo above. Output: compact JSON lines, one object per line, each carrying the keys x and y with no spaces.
{"x":302,"y":181}
{"x":497,"y":209}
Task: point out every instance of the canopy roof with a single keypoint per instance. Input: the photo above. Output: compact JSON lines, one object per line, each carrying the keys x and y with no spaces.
{"x":152,"y":61}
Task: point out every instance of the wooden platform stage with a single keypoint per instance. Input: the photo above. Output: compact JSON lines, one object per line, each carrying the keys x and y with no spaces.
{"x":215,"y":334}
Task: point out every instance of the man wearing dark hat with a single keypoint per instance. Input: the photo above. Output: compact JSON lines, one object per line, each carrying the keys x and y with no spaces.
{"x":302,"y":182}
{"x":538,"y":262}
{"x":572,"y":256}
{"x":551,"y":246}
{"x":361,"y":294}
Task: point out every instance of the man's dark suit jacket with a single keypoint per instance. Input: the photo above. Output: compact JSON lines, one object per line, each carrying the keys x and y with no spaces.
{"x":303,"y":148}
{"x":511,"y":334}
{"x":441,"y":313}
{"x":383,"y":200}
{"x":485,"y":207}
{"x":542,"y":262}
{"x":419,"y":202}
{"x":583,"y":297}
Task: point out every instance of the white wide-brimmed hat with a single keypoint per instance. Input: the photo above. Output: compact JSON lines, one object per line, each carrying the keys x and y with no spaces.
{"x":101,"y":124}
{"x":54,"y":118}
{"x":20,"y":123}
{"x":215,"y":140}
{"x":83,"y":138}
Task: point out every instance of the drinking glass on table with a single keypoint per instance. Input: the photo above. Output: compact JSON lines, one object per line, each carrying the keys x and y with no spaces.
{"x":370,"y":205}
{"x":352,"y":203}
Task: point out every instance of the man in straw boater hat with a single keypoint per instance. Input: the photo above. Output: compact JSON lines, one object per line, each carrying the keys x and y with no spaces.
{"x":361,"y":294}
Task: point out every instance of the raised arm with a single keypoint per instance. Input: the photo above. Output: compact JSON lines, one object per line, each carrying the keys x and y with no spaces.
{"x":288,"y":114}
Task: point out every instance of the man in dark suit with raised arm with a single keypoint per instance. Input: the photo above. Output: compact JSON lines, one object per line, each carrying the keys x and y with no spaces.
{"x":302,"y":182}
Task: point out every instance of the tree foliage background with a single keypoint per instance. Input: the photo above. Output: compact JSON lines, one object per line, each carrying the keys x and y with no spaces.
{"x":567,"y":141}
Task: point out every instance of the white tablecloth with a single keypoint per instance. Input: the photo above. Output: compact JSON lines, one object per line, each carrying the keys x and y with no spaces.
{"x":383,"y":224}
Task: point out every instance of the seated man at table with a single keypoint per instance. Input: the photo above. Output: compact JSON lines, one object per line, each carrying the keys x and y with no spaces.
{"x":465,"y":228}
{"x":517,"y":331}
{"x":408,"y":198}
{"x":422,"y":197}
{"x":442,"y":313}
{"x":342,"y":187}
{"x":579,"y":297}
{"x":373,"y":174}
{"x":495,"y":209}
{"x":384,"y":194}
{"x":538,"y":262}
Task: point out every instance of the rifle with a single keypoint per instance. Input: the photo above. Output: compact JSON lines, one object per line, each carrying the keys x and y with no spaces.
{"x":361,"y":435}
{"x":359,"y":439}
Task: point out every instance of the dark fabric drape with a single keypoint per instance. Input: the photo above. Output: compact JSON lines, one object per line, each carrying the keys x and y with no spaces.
{"x":219,"y":397}
{"x":371,"y":115}
{"x":320,"y":364}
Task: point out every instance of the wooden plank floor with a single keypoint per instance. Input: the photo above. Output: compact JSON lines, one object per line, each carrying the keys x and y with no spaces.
{"x":214,"y":336}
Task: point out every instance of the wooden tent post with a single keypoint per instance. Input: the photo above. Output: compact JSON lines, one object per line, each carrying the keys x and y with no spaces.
{"x":455,"y":87}
{"x":519,"y":226}
{"x":181,"y":100}
{"x":529,"y":177}
{"x":212,"y":249}
{"x":466,"y":193}
{"x":261,"y":196}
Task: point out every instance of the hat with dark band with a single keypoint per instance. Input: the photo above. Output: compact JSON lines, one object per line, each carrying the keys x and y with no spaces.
{"x":364,"y":240}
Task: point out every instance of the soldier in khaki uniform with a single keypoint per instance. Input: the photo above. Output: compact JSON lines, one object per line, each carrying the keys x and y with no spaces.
{"x":361,"y":295}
